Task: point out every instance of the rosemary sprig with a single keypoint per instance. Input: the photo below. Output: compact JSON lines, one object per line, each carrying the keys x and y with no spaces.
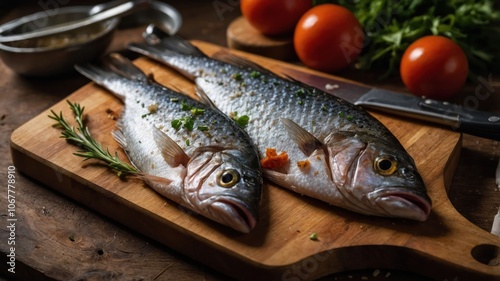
{"x":91,"y":149}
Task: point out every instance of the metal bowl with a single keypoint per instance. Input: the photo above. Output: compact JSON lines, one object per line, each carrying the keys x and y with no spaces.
{"x":55,"y":54}
{"x":162,"y":15}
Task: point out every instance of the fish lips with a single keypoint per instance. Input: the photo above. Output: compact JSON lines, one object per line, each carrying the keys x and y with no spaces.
{"x":234,"y":213}
{"x":403,"y":203}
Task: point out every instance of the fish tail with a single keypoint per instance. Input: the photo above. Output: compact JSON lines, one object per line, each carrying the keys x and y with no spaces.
{"x":120,"y":65}
{"x":169,"y":45}
{"x":95,"y":73}
{"x":114,"y":67}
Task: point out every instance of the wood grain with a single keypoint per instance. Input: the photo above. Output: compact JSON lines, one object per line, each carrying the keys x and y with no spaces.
{"x":447,"y":246}
{"x":242,"y":36}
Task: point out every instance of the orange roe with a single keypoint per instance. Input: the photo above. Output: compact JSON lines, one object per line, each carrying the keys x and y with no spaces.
{"x":273,"y":160}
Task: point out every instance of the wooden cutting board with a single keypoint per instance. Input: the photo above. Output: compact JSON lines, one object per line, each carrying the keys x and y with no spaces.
{"x":242,"y":36}
{"x":446,"y":247}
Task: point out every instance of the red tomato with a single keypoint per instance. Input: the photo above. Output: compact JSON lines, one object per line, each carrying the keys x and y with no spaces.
{"x":328,"y":37}
{"x":274,"y":17}
{"x":434,"y":67}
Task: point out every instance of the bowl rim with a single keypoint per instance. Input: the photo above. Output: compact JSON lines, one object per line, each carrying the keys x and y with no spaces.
{"x":110,"y":25}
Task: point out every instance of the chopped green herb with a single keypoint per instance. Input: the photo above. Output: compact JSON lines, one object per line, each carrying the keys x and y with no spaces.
{"x":174,"y":99}
{"x":300,"y":102}
{"x":323,"y":108}
{"x":242,"y":121}
{"x":237,"y":76}
{"x":202,"y":128}
{"x":188,"y":123}
{"x":314,"y":236}
{"x":301,"y":93}
{"x":176,"y":124}
{"x":185,"y":106}
{"x":341,"y":114}
{"x":349,"y":117}
{"x":188,"y":143}
{"x":197,"y":111}
{"x":255,"y":74}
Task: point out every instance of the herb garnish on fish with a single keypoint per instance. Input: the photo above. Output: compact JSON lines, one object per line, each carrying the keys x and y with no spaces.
{"x":92,"y":149}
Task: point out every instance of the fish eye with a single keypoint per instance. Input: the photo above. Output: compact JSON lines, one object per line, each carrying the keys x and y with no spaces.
{"x":385,"y":165}
{"x":228,"y":178}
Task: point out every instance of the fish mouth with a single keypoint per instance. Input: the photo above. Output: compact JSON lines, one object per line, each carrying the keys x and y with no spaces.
{"x":406,"y":204}
{"x":235,"y":214}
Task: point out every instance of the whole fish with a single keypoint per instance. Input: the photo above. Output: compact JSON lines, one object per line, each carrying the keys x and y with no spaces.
{"x":309,"y":141}
{"x":187,"y":151}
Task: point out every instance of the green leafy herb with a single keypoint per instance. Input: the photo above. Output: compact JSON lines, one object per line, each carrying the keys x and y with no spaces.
{"x":313,"y":236}
{"x":237,"y":76}
{"x":202,"y":128}
{"x":187,"y":122}
{"x":255,"y":74}
{"x":176,"y":123}
{"x":301,"y":93}
{"x":197,"y":111}
{"x":185,"y":106}
{"x":391,"y":26}
{"x":242,"y":120}
{"x":91,"y":149}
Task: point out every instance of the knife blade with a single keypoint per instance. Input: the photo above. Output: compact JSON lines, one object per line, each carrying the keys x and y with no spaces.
{"x":459,"y":118}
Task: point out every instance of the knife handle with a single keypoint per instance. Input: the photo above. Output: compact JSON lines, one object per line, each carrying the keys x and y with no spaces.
{"x":470,"y":121}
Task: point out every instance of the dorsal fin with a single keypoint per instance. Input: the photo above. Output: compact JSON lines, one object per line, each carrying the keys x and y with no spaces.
{"x":300,"y":83}
{"x":204,"y":98}
{"x":235,"y":60}
{"x":173,"y":154}
{"x":305,"y":140}
{"x":118,"y":64}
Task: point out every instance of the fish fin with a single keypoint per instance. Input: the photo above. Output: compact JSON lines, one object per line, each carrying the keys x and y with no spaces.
{"x":306,"y":87}
{"x":155,"y":179}
{"x":180,"y":45}
{"x":99,"y":76}
{"x":204,"y":98}
{"x":122,"y":141}
{"x":120,"y":138}
{"x":171,"y":44}
{"x":173,"y":154}
{"x":306,"y":141}
{"x":159,"y":53}
{"x":275,"y":176}
{"x":118,"y":64}
{"x":235,"y":60}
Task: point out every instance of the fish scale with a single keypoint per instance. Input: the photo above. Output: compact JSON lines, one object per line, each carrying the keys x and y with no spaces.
{"x":336,"y":151}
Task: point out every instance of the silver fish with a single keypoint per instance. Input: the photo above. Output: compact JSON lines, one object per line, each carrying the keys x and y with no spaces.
{"x":187,"y":151}
{"x":337,"y":152}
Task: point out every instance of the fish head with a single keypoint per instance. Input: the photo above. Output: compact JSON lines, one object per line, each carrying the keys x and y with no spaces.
{"x":225,"y":184}
{"x":377,"y":176}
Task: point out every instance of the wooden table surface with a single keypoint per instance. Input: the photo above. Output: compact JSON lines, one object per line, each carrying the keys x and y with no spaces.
{"x":92,"y":247}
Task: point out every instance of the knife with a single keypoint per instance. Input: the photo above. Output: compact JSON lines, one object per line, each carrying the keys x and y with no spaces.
{"x":459,"y":118}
